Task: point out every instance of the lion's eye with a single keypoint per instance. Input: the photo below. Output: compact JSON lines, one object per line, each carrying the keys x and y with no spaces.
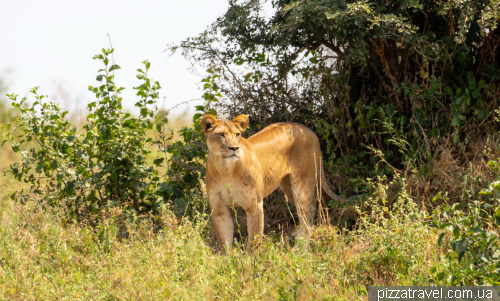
{"x":238,"y":134}
{"x":221,"y":134}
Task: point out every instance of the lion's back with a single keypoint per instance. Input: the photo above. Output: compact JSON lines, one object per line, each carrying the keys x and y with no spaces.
{"x":284,"y":136}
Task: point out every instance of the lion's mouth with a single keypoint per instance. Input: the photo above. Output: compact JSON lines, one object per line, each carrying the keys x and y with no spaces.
{"x":233,"y":155}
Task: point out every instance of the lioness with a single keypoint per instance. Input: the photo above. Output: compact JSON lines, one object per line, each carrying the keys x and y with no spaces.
{"x":241,"y":172}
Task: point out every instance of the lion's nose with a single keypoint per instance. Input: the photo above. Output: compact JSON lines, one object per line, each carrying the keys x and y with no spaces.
{"x":234,"y":148}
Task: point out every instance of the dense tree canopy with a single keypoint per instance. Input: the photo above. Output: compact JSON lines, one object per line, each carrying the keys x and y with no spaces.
{"x":398,"y":75}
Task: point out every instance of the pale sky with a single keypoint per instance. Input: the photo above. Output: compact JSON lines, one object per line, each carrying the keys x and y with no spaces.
{"x":51,"y":43}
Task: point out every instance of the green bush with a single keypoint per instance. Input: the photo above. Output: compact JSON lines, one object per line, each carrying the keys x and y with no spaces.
{"x":102,"y":165}
{"x":105,"y":164}
{"x":472,"y":235}
{"x":394,"y":234}
{"x":474,"y":258}
{"x":426,"y":67}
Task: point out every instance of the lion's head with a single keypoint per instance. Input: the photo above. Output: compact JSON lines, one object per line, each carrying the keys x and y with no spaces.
{"x":224,"y":136}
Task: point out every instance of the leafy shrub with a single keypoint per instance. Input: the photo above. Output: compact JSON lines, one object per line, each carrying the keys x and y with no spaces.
{"x":101,"y":166}
{"x":105,"y":163}
{"x":394,"y":235}
{"x":472,"y":234}
{"x":429,"y":67}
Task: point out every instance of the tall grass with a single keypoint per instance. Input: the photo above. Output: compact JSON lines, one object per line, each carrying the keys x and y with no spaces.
{"x":42,"y":256}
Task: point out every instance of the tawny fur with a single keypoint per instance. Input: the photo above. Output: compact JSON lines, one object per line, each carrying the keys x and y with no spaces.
{"x":242,"y":172}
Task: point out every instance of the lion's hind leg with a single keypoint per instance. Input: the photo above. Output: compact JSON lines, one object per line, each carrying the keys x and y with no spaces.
{"x":303,"y":194}
{"x":286,"y":187}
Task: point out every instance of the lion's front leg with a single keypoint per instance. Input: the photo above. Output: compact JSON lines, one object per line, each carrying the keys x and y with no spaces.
{"x":224,"y":228}
{"x":255,"y":220}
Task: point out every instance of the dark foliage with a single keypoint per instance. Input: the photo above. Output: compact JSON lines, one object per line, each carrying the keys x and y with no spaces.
{"x":395,"y":76}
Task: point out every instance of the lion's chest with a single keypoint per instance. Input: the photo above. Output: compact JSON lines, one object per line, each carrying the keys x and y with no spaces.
{"x":237,"y":191}
{"x":237,"y":182}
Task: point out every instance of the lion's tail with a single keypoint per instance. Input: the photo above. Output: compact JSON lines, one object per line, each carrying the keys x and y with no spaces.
{"x":327,"y":189}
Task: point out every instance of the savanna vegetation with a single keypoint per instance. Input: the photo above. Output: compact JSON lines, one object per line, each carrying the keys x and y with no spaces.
{"x":404,"y":96}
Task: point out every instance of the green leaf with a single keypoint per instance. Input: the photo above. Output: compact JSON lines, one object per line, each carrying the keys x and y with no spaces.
{"x":481,"y":114}
{"x":476,"y":93}
{"x":440,"y":276}
{"x":440,"y":239}
{"x":472,"y":83}
{"x":461,"y":245}
{"x":53,"y":164}
{"x":156,"y":86}
{"x":497,"y":212}
{"x":448,"y":90}
{"x":492,"y":163}
{"x":158,"y":161}
{"x":114,"y":67}
{"x":197,"y":116}
{"x":70,"y":188}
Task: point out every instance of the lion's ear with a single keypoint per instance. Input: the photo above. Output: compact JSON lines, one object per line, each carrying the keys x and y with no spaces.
{"x":241,"y":122}
{"x":208,"y":122}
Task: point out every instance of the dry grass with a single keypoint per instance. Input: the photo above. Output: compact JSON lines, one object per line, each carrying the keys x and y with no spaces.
{"x":454,"y":173}
{"x":44,"y":257}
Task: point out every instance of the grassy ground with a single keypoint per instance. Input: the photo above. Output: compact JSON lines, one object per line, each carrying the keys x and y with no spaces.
{"x":43,"y":257}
